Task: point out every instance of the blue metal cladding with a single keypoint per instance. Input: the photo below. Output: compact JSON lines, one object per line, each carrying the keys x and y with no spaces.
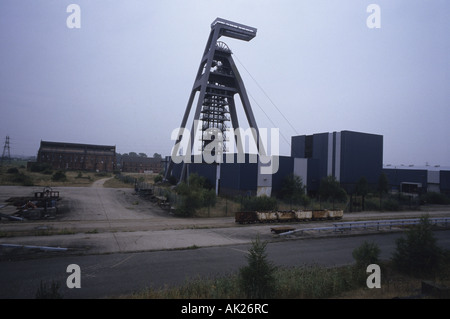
{"x":249,"y":177}
{"x":320,"y":151}
{"x":230,"y":176}
{"x":351,"y":156}
{"x":208,"y":171}
{"x":313,"y":177}
{"x":445,"y":181}
{"x":235,"y":178}
{"x":286,"y":167}
{"x":298,"y":146}
{"x":239,"y":177}
{"x":361,"y":155}
{"x":396,"y":176}
{"x":176,"y":171}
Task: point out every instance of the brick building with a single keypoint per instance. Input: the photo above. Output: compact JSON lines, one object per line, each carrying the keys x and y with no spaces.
{"x":73,"y":156}
{"x":139,"y":164}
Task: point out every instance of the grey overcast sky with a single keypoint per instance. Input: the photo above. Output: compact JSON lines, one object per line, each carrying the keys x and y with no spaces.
{"x":125,"y":76}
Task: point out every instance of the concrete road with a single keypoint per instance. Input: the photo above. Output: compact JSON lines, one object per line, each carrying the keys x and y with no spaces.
{"x":111,"y":275}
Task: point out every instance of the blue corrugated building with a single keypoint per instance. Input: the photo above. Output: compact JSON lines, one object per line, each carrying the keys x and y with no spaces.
{"x":346,"y":155}
{"x":238,"y":178}
{"x":444,"y":176}
{"x":418,"y":179}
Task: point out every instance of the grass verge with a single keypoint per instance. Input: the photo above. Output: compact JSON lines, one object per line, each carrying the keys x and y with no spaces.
{"x":304,"y":282}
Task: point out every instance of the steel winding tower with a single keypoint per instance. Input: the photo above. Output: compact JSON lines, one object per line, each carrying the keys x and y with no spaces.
{"x":218,"y":81}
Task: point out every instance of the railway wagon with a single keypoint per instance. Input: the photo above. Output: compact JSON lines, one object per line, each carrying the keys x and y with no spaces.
{"x":248,"y":217}
{"x":286,"y":216}
{"x":266,"y":217}
{"x":245,"y":217}
{"x":304,"y":215}
{"x":335,"y":214}
{"x":320,"y":214}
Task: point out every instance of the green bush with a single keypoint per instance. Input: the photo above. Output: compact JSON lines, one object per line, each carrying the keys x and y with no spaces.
{"x":126,"y":179}
{"x":293,"y":191}
{"x":434,"y":198}
{"x":418,"y":253}
{"x":102,"y":174}
{"x":391,"y":205}
{"x":190,"y":202}
{"x":48,"y":292}
{"x":365,"y":255}
{"x":194,"y":195}
{"x":12,"y":170}
{"x":172,"y":180}
{"x":372,"y":204}
{"x":59,"y":176}
{"x":388,"y":204}
{"x":40,"y":167}
{"x":22,"y":179}
{"x":259,"y":203}
{"x":331,"y":190}
{"x":257,"y":278}
{"x":209,"y":198}
{"x":158,"y":178}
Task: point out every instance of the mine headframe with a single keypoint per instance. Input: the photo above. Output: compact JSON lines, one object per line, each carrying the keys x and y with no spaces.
{"x":218,"y":81}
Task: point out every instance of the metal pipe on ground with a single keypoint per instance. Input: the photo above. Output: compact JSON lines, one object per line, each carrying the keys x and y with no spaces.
{"x":47,"y":248}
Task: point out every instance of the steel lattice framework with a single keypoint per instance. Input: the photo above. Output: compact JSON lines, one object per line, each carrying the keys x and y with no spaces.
{"x":218,"y":81}
{"x":6,"y":155}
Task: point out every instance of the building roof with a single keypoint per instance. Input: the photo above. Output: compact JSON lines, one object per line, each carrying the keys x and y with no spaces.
{"x":63,"y":147}
{"x":418,"y":167}
{"x":140,"y":159}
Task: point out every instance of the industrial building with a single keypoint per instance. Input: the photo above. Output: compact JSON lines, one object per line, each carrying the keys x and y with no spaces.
{"x":418,"y":179}
{"x":228,"y":178}
{"x":73,"y":156}
{"x":139,"y":164}
{"x":346,"y":155}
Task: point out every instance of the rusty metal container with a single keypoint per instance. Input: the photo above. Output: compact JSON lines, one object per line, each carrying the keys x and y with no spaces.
{"x":245,"y":217}
{"x":303,"y":214}
{"x":319,"y":214}
{"x":285,"y":216}
{"x":335,"y":214}
{"x":266,"y":217}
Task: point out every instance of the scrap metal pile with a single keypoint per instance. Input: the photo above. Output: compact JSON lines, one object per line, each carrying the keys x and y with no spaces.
{"x":43,"y":205}
{"x":149,"y":194}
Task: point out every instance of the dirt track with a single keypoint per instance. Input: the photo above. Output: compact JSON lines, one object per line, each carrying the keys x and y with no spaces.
{"x":98,"y":209}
